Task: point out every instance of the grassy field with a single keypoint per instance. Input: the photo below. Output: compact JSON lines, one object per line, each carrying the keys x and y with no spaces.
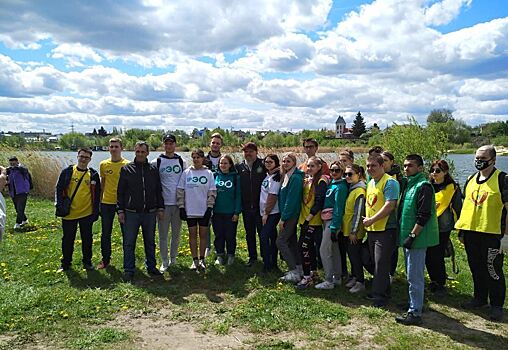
{"x":226,"y":307}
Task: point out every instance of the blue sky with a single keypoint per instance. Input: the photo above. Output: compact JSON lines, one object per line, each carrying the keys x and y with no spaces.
{"x":251,"y":64}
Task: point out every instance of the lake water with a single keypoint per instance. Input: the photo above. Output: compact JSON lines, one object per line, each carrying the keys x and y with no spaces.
{"x":464,"y":164}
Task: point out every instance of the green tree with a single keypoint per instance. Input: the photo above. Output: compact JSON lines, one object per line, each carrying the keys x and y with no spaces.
{"x":429,"y":142}
{"x":74,"y":140}
{"x":273,"y":140}
{"x":359,"y":125}
{"x":440,"y":115}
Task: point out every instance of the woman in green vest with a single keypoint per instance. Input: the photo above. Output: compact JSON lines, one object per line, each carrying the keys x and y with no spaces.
{"x":448,"y":207}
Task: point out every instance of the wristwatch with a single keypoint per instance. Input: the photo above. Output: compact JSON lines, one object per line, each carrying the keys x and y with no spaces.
{"x":412,"y":235}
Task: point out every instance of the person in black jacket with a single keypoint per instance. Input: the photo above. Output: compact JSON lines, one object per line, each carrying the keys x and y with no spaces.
{"x":139,"y":202}
{"x":252,"y":173}
{"x":82,"y":185}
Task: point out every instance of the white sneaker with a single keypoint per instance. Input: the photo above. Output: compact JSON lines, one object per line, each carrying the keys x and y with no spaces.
{"x":325,"y":285}
{"x":163,"y":268}
{"x":207,"y":252}
{"x":202,"y":265}
{"x":358,"y":287}
{"x":219,"y":260}
{"x":291,"y":276}
{"x":194,"y":265}
{"x":231,"y":259}
{"x":351,"y":282}
{"x":24,"y":222}
{"x":17,"y":226}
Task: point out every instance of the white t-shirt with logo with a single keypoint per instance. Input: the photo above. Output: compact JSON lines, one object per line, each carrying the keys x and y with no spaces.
{"x":196,"y":184}
{"x":170,"y":171}
{"x":268,"y":186}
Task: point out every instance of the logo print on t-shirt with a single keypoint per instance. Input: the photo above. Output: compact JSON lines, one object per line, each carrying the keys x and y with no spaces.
{"x":172,"y":169}
{"x":109,"y":171}
{"x":371,"y":200}
{"x":194,"y":180}
{"x":264,"y":184}
{"x":478,"y":197}
{"x":329,"y":192}
{"x":227,"y":184}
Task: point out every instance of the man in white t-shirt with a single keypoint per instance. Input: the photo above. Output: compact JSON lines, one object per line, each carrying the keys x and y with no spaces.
{"x":171,"y":167}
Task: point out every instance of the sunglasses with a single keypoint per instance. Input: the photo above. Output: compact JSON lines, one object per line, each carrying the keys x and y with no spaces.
{"x":349,"y":174}
{"x":435,"y":171}
{"x":335,"y":170}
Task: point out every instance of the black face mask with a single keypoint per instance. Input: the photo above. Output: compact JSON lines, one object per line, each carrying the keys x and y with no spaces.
{"x":481,"y":164}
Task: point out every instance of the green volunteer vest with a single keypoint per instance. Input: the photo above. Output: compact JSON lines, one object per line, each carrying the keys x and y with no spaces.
{"x":429,"y":236}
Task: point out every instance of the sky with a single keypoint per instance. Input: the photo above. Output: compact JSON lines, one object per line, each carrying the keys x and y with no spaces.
{"x":249,"y":64}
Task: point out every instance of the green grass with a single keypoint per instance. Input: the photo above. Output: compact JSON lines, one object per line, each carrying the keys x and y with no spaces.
{"x":81,"y":310}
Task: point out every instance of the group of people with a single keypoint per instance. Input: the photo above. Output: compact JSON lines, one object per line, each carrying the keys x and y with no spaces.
{"x":314,"y":215}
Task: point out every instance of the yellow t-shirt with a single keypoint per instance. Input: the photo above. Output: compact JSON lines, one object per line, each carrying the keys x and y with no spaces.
{"x":81,"y":205}
{"x":110,"y":174}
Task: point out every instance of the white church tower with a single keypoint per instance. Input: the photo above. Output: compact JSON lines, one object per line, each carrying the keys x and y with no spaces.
{"x":340,"y":126}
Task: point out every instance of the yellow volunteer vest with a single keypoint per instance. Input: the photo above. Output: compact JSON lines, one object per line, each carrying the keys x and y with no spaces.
{"x":81,"y":205}
{"x":110,"y":174}
{"x":308,"y":202}
{"x":374,"y":201}
{"x":483,"y":206}
{"x":349,"y":212}
{"x":444,"y":198}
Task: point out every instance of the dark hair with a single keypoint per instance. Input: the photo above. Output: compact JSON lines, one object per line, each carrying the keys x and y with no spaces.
{"x":13,"y":158}
{"x":416,"y":158}
{"x":375,"y":158}
{"x":376,"y":150}
{"x":357,"y":169}
{"x":273,"y":157}
{"x":142,"y":143}
{"x":84,"y":149}
{"x":230,"y":160}
{"x":311,"y":140}
{"x":388,"y":155}
{"x":443,"y":165}
{"x":199,"y":152}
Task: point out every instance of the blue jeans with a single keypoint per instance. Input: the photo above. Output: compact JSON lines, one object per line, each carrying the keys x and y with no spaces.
{"x":108,"y":212}
{"x":132,"y":223}
{"x":267,"y":240}
{"x":415,"y":269}
{"x":225,"y":233}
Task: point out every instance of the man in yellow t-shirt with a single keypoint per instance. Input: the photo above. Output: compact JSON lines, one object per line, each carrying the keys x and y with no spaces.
{"x":82,"y":185}
{"x":109,"y":170}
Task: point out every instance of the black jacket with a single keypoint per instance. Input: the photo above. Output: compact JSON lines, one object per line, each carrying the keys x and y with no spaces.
{"x":250,"y":183}
{"x":139,"y":188}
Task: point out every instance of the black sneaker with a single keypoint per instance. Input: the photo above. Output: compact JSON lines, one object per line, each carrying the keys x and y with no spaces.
{"x":88,"y":266}
{"x":154,"y":272}
{"x":409,"y":319}
{"x":496,"y":313}
{"x":251,"y":261}
{"x":128,"y":277}
{"x":473,"y":304}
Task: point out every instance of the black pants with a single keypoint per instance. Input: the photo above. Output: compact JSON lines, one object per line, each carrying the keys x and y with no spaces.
{"x":225,"y":234}
{"x":343,"y":247}
{"x":252,"y":222}
{"x":69,"y":228}
{"x":19,"y":201}
{"x":486,"y":265}
{"x":309,"y":240}
{"x":381,"y":246}
{"x":108,"y":212}
{"x":354,"y":251}
{"x":435,"y":260}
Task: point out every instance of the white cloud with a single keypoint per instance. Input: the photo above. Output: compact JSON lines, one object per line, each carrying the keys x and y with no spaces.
{"x":443,"y":12}
{"x":75,"y":54}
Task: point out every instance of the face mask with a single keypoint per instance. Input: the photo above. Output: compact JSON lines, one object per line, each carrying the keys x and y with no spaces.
{"x":481,"y":164}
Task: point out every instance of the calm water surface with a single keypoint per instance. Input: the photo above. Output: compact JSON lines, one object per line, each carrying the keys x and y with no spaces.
{"x":463,"y":163}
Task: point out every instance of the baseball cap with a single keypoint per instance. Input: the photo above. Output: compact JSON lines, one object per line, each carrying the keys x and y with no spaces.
{"x":250,"y":145}
{"x":169,"y":137}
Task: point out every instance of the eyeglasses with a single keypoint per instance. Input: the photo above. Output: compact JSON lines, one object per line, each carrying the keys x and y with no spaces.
{"x":349,"y":174}
{"x":435,"y":171}
{"x":335,"y":170}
